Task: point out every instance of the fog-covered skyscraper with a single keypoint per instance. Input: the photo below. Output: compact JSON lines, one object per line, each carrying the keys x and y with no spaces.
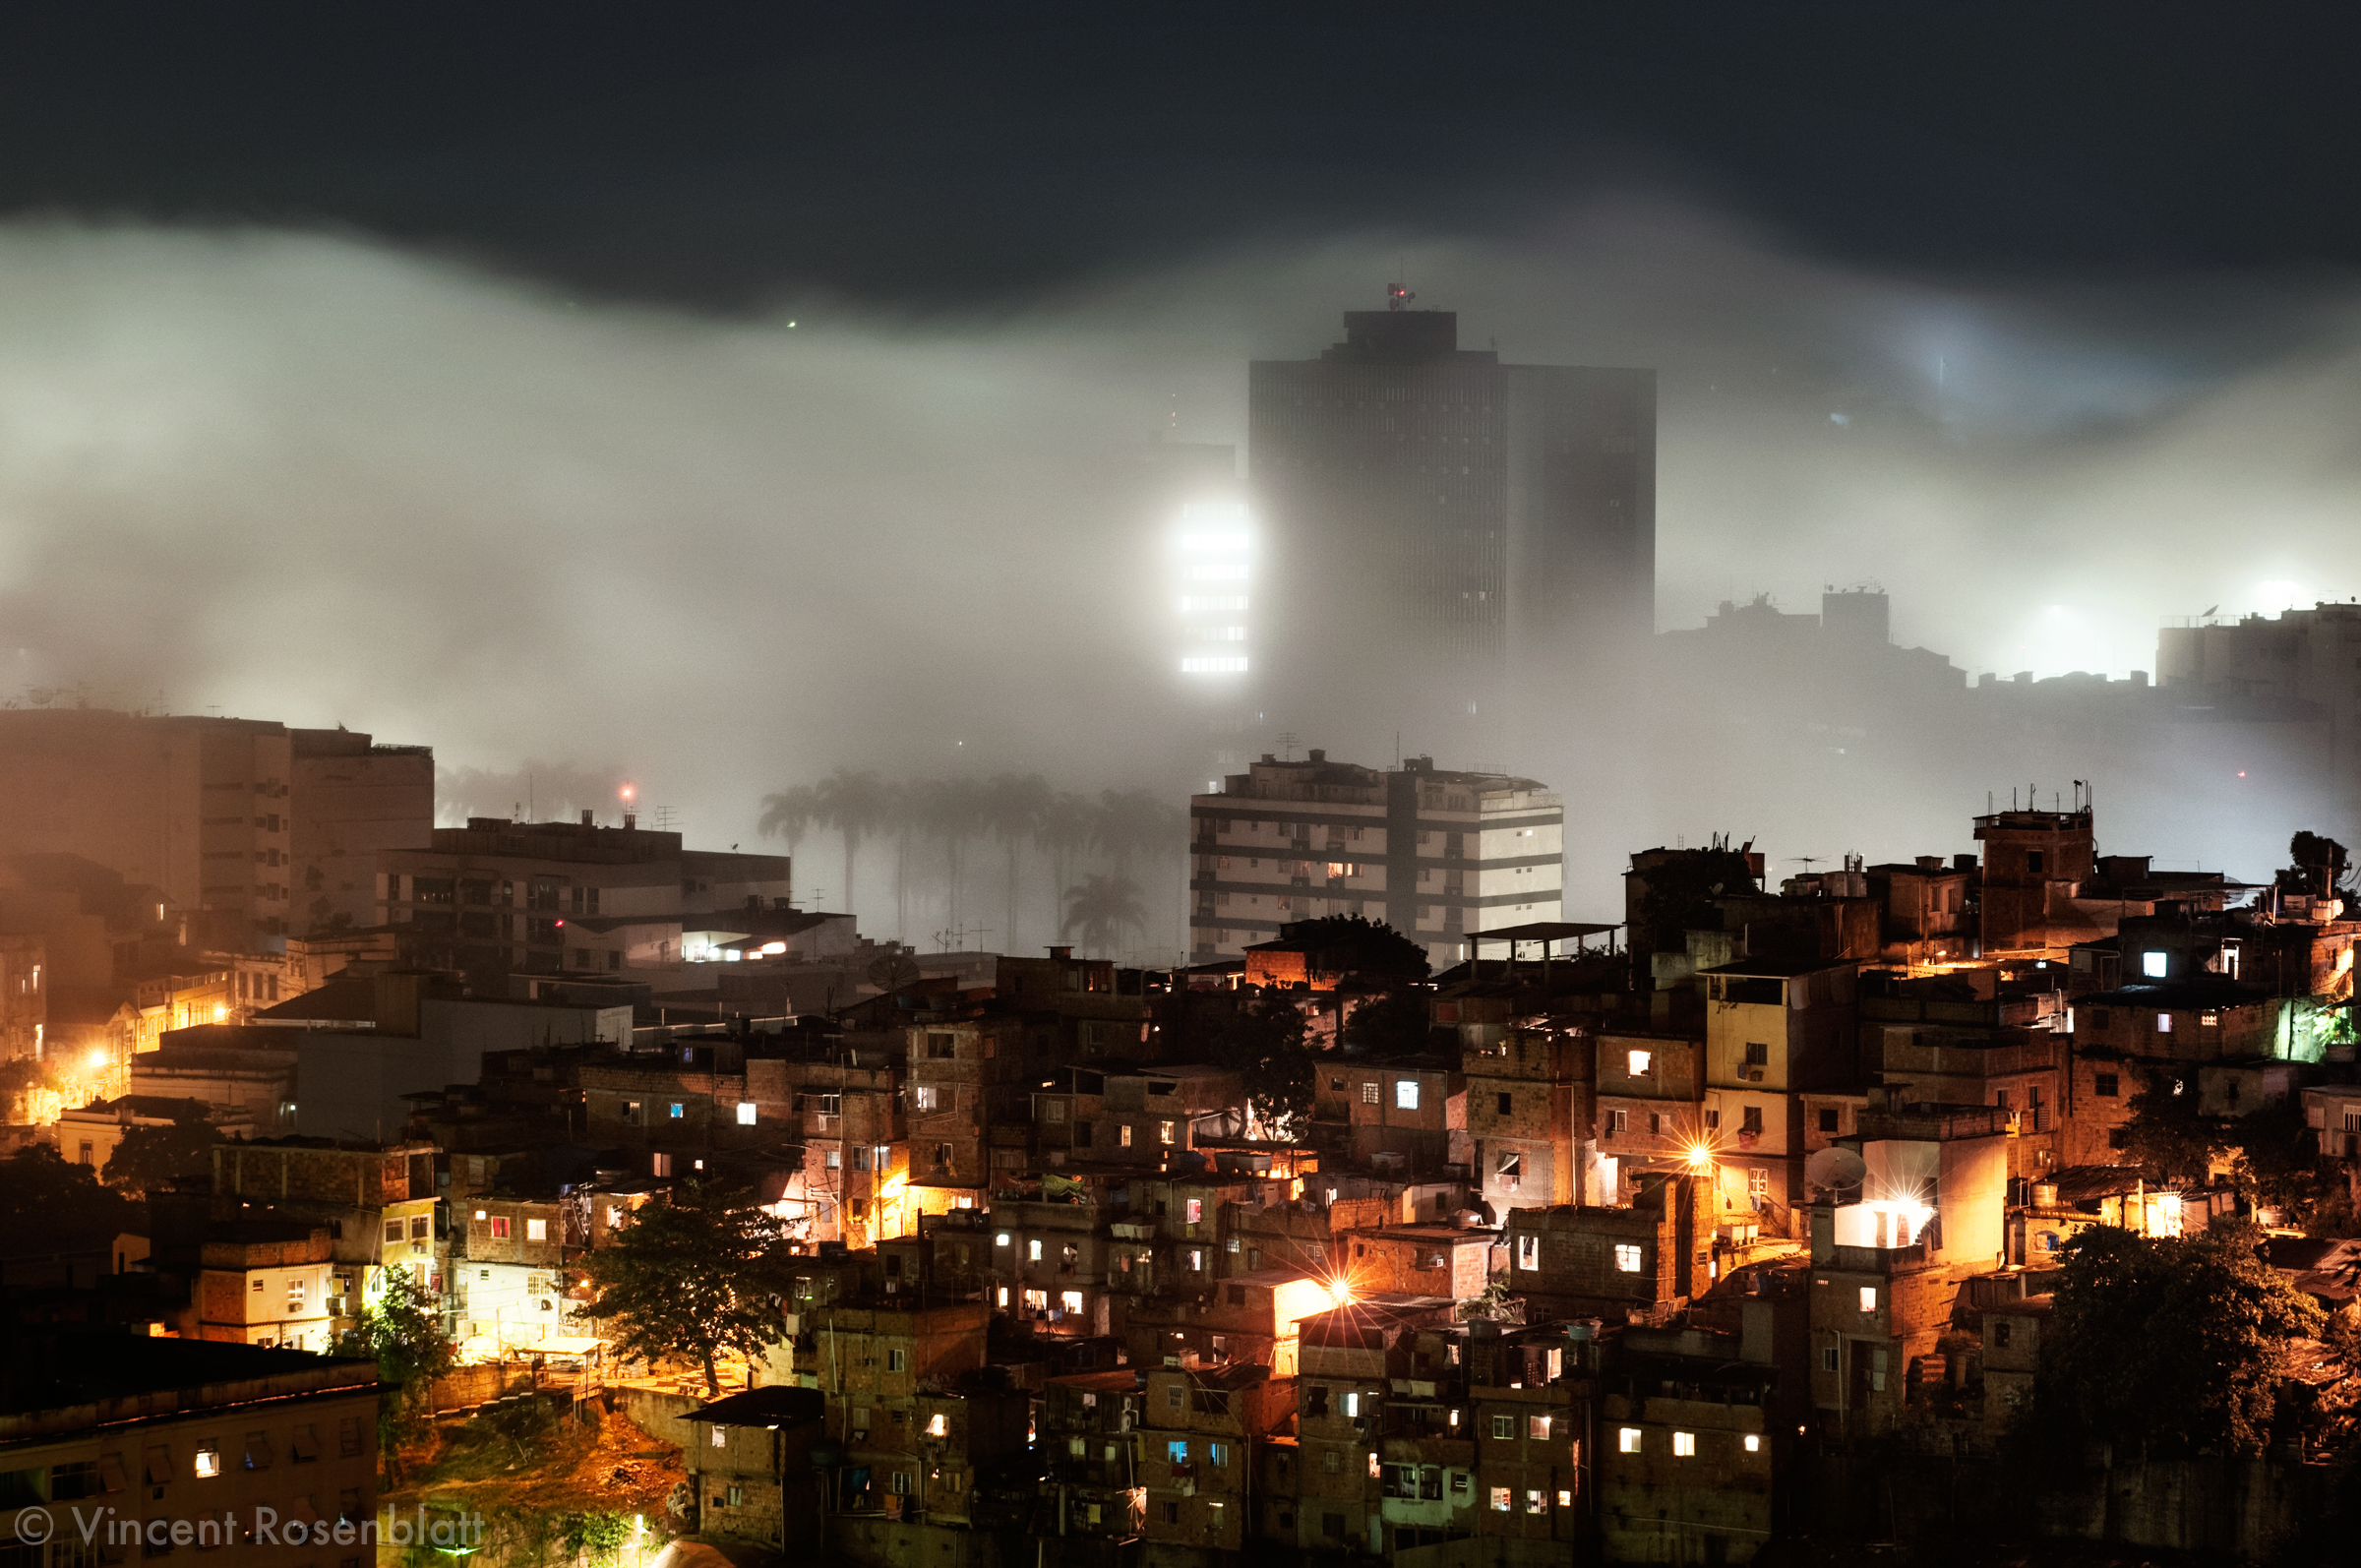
{"x":1437,"y":516}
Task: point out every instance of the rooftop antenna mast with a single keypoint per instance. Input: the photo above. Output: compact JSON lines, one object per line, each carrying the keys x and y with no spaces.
{"x":1397,"y":297}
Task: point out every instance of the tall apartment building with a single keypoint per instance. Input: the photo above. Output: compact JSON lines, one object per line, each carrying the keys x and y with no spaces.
{"x":497,"y":897}
{"x":1437,"y":854}
{"x":1432,"y":513}
{"x":350,"y":798}
{"x":205,"y":810}
{"x":2297,"y":664}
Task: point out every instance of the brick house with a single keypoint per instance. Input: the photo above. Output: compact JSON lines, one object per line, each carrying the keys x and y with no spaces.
{"x":1579,"y":1262}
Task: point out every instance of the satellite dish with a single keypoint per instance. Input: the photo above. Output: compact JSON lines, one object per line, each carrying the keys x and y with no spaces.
{"x":1833,"y":1168}
{"x":894,"y":972}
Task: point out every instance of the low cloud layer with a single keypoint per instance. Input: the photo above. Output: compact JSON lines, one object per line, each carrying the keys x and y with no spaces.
{"x":301,"y":477}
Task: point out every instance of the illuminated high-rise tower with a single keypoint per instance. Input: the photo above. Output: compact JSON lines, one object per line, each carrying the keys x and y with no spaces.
{"x":1441,"y":523}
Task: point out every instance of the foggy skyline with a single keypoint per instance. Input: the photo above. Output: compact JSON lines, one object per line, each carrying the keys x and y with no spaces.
{"x":718,"y":540}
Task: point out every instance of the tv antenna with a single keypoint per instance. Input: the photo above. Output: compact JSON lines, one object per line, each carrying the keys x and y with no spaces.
{"x":1395,"y":296}
{"x":1287,"y":746}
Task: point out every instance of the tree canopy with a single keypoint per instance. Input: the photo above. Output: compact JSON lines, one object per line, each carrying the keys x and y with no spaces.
{"x":1355,"y":944}
{"x":1392,"y":1025}
{"x":693,"y":1276}
{"x":41,"y":1193}
{"x":2273,"y":1157}
{"x":149,"y":1156}
{"x":401,"y":1328}
{"x":2167,"y":1134}
{"x":2168,"y":1344}
{"x":1265,"y":1043}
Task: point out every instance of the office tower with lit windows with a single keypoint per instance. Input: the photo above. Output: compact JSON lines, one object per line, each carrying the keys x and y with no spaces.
{"x":1432,"y":516}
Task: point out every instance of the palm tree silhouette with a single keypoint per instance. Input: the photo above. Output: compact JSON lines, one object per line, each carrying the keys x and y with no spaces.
{"x":1067,"y":826}
{"x":855,"y":805}
{"x":1099,"y":909}
{"x":789,"y":815}
{"x":1133,"y":823}
{"x":952,"y":810}
{"x":1014,"y":806}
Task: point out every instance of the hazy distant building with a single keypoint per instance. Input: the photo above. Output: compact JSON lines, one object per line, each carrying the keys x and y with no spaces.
{"x":350,"y":798}
{"x":1434,"y":515}
{"x":2299,"y":666}
{"x":1840,"y":664}
{"x":497,"y":897}
{"x":202,"y":809}
{"x":1436,"y":855}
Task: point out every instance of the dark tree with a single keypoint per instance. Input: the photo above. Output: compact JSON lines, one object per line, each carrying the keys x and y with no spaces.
{"x":149,"y":1156}
{"x":40,"y":1193}
{"x":1355,"y":944}
{"x":2169,"y":1345}
{"x":2279,"y":1162}
{"x":1261,"y":1039}
{"x":2316,"y":864}
{"x":2167,"y":1134}
{"x":1388,"y":1026}
{"x":401,"y":1328}
{"x":693,"y":1276}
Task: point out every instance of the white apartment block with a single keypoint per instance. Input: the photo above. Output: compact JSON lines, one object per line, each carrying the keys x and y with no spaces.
{"x":1436,"y":855}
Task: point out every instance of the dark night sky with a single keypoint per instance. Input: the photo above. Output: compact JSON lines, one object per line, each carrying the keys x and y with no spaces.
{"x":945,"y":158}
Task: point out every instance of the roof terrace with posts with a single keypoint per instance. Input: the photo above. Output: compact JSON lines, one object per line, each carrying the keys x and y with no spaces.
{"x":1935,"y":1122}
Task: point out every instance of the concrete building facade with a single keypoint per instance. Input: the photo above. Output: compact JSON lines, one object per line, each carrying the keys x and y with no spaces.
{"x":1436,"y":854}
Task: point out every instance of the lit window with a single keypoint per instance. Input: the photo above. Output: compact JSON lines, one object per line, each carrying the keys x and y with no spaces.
{"x":1352,"y":1404}
{"x":1637,"y":1063}
{"x":536,"y":1230}
{"x":1868,"y":1297}
{"x":1196,"y":1257}
{"x":746,"y":1112}
{"x":1071,"y":1300}
{"x":1537,"y":1501}
{"x":1033,"y":1250}
{"x":1684,"y":1445}
{"x":2152,"y":964}
{"x":209,"y":1459}
{"x":1369,"y":1093}
{"x":1500,"y":1499}
{"x":1627,"y":1257}
{"x":1529,"y":1251}
{"x":500,"y":1227}
{"x":295,"y":1294}
{"x":939,"y":1426}
{"x":676,"y":1110}
{"x":721,"y":1438}
{"x":1536,"y":1427}
{"x":1196,"y":1210}
{"x":1406,"y":1094}
{"x":1627,"y":1440}
{"x":1124,"y":1137}
{"x":1164,"y":1132}
{"x":1754,"y":1443}
{"x":1001,"y":1240}
{"x":2163,"y":1023}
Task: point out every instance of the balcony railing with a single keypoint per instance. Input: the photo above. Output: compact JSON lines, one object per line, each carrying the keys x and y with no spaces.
{"x":1881,"y":1259}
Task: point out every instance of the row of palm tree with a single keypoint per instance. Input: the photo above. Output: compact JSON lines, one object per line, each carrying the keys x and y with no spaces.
{"x":933,"y":826}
